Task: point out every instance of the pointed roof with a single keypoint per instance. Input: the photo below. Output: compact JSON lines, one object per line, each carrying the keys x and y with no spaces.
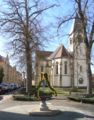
{"x":43,"y":54}
{"x":1,"y":58}
{"x":77,"y":24}
{"x":60,"y":52}
{"x":76,"y":28}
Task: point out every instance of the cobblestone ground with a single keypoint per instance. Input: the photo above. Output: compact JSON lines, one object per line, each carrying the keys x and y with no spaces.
{"x":16,"y":110}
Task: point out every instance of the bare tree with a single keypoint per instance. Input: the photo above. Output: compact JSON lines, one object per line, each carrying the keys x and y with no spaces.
{"x":84,"y":9}
{"x":87,"y":18}
{"x":20,"y":20}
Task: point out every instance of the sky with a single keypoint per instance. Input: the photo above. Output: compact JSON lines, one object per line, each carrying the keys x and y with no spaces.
{"x":50,"y":18}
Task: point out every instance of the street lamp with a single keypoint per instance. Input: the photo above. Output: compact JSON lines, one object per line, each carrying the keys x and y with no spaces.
{"x":24,"y":80}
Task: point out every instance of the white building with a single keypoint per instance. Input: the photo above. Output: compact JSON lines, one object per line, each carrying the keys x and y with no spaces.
{"x":67,"y":67}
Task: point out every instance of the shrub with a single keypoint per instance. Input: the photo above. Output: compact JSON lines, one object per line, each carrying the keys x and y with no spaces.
{"x":24,"y":98}
{"x":23,"y":91}
{"x":83,"y":99}
{"x":32,"y":97}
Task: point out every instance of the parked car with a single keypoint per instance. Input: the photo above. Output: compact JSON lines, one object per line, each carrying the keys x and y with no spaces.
{"x":7,"y":87}
{"x":0,"y":90}
{"x":14,"y":86}
{"x":3,"y":88}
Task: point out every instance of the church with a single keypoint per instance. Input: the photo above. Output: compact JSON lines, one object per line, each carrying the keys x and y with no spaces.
{"x":65,"y":67}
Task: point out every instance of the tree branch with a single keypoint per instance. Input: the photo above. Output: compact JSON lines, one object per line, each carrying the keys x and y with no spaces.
{"x":91,"y":41}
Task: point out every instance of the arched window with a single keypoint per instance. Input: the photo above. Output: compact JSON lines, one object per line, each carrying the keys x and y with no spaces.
{"x":65,"y":67}
{"x":81,"y":69}
{"x":60,"y":68}
{"x":56,"y":67}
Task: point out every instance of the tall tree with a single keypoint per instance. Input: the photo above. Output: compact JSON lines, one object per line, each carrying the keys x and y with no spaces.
{"x":20,"y":19}
{"x":84,"y":9}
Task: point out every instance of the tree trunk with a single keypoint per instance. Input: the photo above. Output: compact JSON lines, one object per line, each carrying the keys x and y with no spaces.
{"x":29,"y":70}
{"x":89,"y":73}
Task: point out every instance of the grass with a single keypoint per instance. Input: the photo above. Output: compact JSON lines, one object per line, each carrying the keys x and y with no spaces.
{"x":61,"y":91}
{"x":74,"y":94}
{"x":77,"y":94}
{"x":71,"y":91}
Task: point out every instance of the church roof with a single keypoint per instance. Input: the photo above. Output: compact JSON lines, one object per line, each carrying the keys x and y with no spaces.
{"x":60,"y":52}
{"x":43,"y":54}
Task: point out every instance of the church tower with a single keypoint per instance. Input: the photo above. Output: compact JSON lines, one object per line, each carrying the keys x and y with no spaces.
{"x":77,"y":47}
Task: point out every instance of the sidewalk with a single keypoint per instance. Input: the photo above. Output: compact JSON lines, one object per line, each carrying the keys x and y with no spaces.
{"x":22,"y":113}
{"x":5,"y":97}
{"x":69,"y":111}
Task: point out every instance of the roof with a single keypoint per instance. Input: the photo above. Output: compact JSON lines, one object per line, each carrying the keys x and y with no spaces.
{"x":76,"y":25}
{"x":60,"y":52}
{"x":77,"y":28}
{"x":1,"y":58}
{"x":43,"y":54}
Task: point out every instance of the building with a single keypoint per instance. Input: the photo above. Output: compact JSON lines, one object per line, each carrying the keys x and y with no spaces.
{"x":41,"y":63}
{"x":61,"y":61}
{"x":11,"y":75}
{"x":66,"y":67}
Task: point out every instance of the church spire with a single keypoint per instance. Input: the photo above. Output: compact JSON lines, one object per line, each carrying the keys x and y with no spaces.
{"x":7,"y":59}
{"x":76,"y":33}
{"x":78,"y":29}
{"x":77,"y":24}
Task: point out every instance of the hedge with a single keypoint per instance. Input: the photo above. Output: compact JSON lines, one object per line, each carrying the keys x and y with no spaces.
{"x":83,"y":99}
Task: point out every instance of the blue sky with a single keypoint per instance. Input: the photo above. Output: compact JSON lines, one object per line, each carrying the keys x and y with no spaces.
{"x":49,"y":18}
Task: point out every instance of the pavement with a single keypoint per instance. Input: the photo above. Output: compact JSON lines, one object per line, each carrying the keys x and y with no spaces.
{"x":5,"y":97}
{"x":16,"y":110}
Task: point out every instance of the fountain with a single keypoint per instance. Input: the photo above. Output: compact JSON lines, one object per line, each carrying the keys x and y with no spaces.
{"x":43,"y":109}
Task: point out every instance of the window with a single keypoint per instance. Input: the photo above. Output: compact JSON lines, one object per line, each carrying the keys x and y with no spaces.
{"x":56,"y":67}
{"x":65,"y":67}
{"x":60,"y":68}
{"x":41,"y":68}
{"x":80,"y":68}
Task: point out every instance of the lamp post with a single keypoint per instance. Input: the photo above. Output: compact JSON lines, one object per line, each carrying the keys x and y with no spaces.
{"x":24,"y":80}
